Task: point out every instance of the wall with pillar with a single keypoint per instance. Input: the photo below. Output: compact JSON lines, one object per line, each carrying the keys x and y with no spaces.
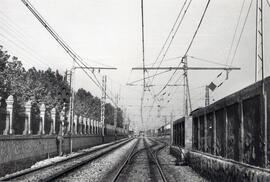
{"x":231,"y":137}
{"x":235,"y":127}
{"x":18,"y":152}
{"x":35,"y":137}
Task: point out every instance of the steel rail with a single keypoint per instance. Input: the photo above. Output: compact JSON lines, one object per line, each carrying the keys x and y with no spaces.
{"x":125,"y":162}
{"x":131,"y":155}
{"x":32,"y":170}
{"x":157,"y":162}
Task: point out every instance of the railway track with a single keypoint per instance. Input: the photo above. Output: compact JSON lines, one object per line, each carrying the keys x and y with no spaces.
{"x":144,"y":157}
{"x":53,"y":171}
{"x":154,"y":153}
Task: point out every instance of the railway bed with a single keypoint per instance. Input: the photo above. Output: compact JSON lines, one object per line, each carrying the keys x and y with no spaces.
{"x":142,"y":163}
{"x":52,"y":171}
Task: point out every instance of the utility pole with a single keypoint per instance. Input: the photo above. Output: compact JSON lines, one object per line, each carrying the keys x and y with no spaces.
{"x":207,"y":96}
{"x":259,"y":66}
{"x":69,"y":80}
{"x":143,"y":55}
{"x":115,"y":112}
{"x":187,"y":101}
{"x":76,"y":58}
{"x":103,"y":102}
{"x":259,"y":62}
{"x":103,"y":89}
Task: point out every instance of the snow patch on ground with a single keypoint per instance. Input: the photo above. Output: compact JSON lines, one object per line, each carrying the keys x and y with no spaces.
{"x":66,"y":156}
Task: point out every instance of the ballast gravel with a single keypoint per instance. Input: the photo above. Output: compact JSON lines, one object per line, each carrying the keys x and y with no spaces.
{"x":98,"y":169}
{"x":177,"y":173}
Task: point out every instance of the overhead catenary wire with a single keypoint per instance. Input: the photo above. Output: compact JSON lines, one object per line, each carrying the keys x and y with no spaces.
{"x":241,"y":33}
{"x":24,"y":36}
{"x":20,"y":47}
{"x":149,"y":76}
{"x":171,"y":31}
{"x":189,"y":46}
{"x":268,"y":2}
{"x":235,"y":31}
{"x":234,"y":37}
{"x":25,"y":47}
{"x":208,"y":61}
{"x":76,"y":58}
{"x":173,"y":36}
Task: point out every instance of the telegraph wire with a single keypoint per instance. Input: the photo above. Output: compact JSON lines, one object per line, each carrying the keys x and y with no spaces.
{"x":238,"y":41}
{"x":189,"y":46}
{"x":18,"y":39}
{"x":268,"y":2}
{"x":149,"y":76}
{"x":14,"y":25}
{"x":235,"y":31}
{"x":173,"y":36}
{"x":76,"y":58}
{"x":20,"y":47}
{"x":163,"y":46}
{"x":241,"y":33}
{"x":208,"y":61}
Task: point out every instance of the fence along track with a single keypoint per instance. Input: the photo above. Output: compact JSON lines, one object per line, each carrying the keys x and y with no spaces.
{"x":16,"y":176}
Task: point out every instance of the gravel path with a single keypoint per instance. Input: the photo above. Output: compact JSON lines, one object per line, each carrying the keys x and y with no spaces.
{"x":99,"y":169}
{"x":177,"y":173}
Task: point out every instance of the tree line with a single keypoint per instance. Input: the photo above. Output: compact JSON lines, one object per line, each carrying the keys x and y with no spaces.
{"x":49,"y":87}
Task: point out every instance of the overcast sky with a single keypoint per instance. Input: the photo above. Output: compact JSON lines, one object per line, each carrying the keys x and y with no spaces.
{"x":108,"y":32}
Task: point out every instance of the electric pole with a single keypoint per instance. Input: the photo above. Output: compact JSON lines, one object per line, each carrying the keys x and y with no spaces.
{"x":259,"y":66}
{"x":103,"y":102}
{"x":207,"y":96}
{"x":259,"y":62}
{"x":115,"y":111}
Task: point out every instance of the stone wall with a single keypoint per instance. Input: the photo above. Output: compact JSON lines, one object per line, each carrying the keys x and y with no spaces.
{"x":220,"y":169}
{"x":18,"y":152}
{"x":236,"y":127}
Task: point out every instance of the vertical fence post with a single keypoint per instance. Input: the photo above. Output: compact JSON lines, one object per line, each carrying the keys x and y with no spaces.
{"x":9,"y":118}
{"x":42,"y":122}
{"x":62,"y":122}
{"x":53,"y":115}
{"x":84,"y":125}
{"x":80,"y":125}
{"x":27,"y":124}
{"x":75,"y":124}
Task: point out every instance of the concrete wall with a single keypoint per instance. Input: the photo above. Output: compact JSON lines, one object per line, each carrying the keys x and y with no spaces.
{"x":219,"y":169}
{"x":18,"y":152}
{"x":236,"y":127}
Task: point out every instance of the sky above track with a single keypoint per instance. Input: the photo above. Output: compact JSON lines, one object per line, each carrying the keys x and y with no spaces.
{"x":108,"y":33}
